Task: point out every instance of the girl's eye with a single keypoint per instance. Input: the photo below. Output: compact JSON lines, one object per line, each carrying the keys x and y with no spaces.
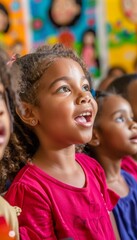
{"x":86,"y":87}
{"x":120,"y":119}
{"x":63,"y":89}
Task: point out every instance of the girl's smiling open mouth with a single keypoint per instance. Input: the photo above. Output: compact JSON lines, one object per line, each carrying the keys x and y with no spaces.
{"x":84,"y":119}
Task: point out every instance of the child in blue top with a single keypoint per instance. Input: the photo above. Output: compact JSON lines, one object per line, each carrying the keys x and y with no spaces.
{"x":115,"y":135}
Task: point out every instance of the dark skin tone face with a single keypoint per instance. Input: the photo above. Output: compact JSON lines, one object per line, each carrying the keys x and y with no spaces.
{"x":64,"y":117}
{"x":116,"y":123}
{"x":66,"y":90}
{"x":115,"y":136}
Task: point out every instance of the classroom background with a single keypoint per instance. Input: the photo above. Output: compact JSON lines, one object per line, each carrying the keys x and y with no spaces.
{"x":103,"y":32}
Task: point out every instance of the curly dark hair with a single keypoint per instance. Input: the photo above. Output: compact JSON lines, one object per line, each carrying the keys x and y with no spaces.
{"x":30,"y":68}
{"x":6,"y":78}
{"x":121,"y":84}
{"x":4,"y":71}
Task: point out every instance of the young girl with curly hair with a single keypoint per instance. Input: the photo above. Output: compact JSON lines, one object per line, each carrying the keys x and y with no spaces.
{"x":62,"y":195}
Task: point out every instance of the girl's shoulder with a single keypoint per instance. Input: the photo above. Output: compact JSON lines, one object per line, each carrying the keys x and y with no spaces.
{"x":27,"y":176}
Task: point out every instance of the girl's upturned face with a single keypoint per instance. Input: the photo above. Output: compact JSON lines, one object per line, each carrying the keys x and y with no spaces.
{"x":66,"y":108}
{"x":4,"y":122}
{"x":117,"y":130}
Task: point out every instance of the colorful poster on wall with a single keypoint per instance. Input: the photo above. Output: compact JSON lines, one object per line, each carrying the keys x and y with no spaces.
{"x":25,"y":24}
{"x":13,"y":35}
{"x":122,"y":32}
{"x":72,"y":22}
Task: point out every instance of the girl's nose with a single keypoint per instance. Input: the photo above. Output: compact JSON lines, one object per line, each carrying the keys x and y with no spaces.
{"x":134,"y":125}
{"x":84,"y":98}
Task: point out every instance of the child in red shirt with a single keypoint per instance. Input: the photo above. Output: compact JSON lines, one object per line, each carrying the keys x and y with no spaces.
{"x":62,"y":196}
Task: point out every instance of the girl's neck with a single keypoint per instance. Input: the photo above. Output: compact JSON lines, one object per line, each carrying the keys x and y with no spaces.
{"x":61,"y":165}
{"x":111,"y":167}
{"x":59,"y":158}
{"x":114,"y":179}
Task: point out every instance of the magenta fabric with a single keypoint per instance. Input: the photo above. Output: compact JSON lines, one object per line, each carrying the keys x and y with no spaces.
{"x":54,"y":210}
{"x":129,"y":165}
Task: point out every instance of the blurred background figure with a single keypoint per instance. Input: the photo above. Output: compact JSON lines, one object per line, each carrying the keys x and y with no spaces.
{"x":89,"y":50}
{"x":112,"y":74}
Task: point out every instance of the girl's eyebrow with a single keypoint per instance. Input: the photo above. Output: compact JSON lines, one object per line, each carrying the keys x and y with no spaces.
{"x":64,"y":78}
{"x":119,"y":111}
{"x":58,"y":80}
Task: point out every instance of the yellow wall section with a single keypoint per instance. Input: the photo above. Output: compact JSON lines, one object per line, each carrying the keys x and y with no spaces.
{"x":125,"y":54}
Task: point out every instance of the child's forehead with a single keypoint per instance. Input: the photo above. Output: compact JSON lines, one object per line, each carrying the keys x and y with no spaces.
{"x":63,"y":64}
{"x":114,"y":103}
{"x":115,"y":99}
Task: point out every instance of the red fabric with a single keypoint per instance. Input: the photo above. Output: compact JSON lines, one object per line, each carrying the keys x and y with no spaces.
{"x":129,"y":165}
{"x":54,"y":210}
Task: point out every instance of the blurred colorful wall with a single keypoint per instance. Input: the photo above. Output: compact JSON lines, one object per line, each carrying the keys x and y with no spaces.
{"x":99,"y":30}
{"x":121,"y":32}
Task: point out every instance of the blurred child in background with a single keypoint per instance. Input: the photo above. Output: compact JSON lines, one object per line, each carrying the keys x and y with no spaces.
{"x":112,"y":73}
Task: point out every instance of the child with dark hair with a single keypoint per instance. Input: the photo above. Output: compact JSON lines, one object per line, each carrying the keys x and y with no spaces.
{"x":8,"y":214}
{"x":126,"y":86}
{"x":114,"y":136}
{"x":116,"y":71}
{"x":112,"y":73}
{"x":62,"y":195}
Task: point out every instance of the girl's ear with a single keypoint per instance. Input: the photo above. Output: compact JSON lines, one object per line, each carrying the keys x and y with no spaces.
{"x":26,"y":114}
{"x":95,"y":141}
